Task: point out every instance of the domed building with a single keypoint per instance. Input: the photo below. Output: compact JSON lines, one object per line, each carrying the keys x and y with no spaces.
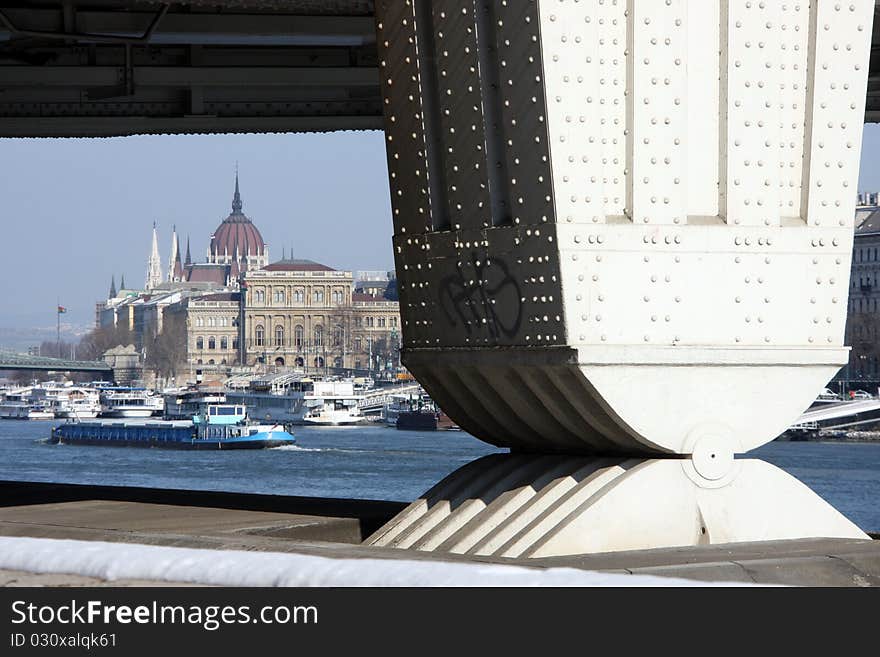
{"x":237,"y":241}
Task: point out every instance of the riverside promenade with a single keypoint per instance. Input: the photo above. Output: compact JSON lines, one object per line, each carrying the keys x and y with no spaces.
{"x":333,"y":529}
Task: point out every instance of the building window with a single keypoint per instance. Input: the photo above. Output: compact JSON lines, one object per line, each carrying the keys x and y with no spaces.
{"x":381,"y":322}
{"x":279,"y":297}
{"x":199,"y":361}
{"x":211,"y":362}
{"x":260,"y":296}
{"x":298,"y":335}
{"x":338,"y":336}
{"x":299,"y":296}
{"x":235,"y":343}
{"x":393,"y":322}
{"x":358,"y":321}
{"x":337,"y":296}
{"x":259,"y":336}
{"x":369,"y":322}
{"x":279,"y":336}
{"x":319,"y":362}
{"x":319,"y":336}
{"x":224,"y":343}
{"x":200,"y":342}
{"x":357,"y":344}
{"x":319,"y":296}
{"x":200,"y":321}
{"x":212,"y":343}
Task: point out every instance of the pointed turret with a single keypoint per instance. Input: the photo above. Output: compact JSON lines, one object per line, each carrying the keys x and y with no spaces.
{"x":188,"y":260}
{"x":112,"y":288}
{"x":175,"y":253}
{"x":236,"y":198}
{"x":122,"y":283}
{"x":154,"y":266}
{"x":178,"y":267}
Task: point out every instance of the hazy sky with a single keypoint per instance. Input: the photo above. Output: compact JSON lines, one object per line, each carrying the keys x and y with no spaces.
{"x":75,"y":211}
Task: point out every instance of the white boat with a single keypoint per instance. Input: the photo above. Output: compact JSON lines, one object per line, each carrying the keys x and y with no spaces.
{"x":130,"y":402}
{"x":293,"y":399}
{"x":15,"y":404}
{"x":76,"y":403}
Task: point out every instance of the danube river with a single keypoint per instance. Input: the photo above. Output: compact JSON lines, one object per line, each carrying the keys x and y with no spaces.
{"x":374,"y":462}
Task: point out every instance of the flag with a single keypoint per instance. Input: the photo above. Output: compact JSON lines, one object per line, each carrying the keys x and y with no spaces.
{"x":61,"y":309}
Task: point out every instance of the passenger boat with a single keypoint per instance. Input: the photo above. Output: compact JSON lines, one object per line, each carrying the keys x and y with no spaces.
{"x":78,"y":403}
{"x":297,"y":400}
{"x":130,"y":402}
{"x":218,"y":426}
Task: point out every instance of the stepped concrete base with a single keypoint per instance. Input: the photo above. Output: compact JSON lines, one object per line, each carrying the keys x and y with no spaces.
{"x":226,"y":521}
{"x":527,"y":506}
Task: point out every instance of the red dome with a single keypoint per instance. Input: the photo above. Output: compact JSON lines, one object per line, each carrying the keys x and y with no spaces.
{"x":237,"y":235}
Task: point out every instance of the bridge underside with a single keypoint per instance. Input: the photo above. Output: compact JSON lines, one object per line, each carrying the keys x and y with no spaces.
{"x":103,"y":68}
{"x":106,"y":68}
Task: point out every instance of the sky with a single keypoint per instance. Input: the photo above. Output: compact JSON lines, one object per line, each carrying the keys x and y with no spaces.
{"x":76,"y":211}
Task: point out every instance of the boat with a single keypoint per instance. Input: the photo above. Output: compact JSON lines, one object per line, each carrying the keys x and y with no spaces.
{"x":130,"y":403}
{"x":77,"y":403}
{"x":424,"y":415}
{"x":184,"y":404}
{"x":20,"y":404}
{"x":297,"y":400}
{"x":15,"y":404}
{"x":217,"y":426}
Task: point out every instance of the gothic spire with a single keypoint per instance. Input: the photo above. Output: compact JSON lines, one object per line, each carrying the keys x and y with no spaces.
{"x":112,"y":287}
{"x":188,"y":260}
{"x":236,"y":199}
{"x":154,"y":267}
{"x":175,"y":251}
{"x":122,"y":283}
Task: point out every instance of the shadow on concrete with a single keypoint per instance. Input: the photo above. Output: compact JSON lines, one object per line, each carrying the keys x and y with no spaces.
{"x":370,"y":514}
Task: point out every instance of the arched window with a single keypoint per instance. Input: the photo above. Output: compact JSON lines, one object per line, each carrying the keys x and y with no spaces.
{"x":260,"y":296}
{"x":357,"y":344}
{"x":278,"y":297}
{"x":259,"y":335}
{"x":299,"y":296}
{"x":235,"y":343}
{"x":319,"y":336}
{"x":199,"y":361}
{"x":279,"y":361}
{"x":299,"y":362}
{"x":319,"y":295}
{"x":212,"y":321}
{"x":212,"y":343}
{"x":319,"y":362}
{"x":382,"y":322}
{"x":211,"y":362}
{"x":200,"y":342}
{"x":279,"y":336}
{"x":337,"y":296}
{"x":224,"y":343}
{"x":338,"y":336}
{"x":223,"y":362}
{"x":200,"y":321}
{"x":298,"y":335}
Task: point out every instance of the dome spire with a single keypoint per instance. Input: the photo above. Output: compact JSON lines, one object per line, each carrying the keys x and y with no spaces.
{"x":236,"y":199}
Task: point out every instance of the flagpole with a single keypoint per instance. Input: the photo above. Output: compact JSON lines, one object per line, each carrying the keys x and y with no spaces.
{"x":58,"y":328}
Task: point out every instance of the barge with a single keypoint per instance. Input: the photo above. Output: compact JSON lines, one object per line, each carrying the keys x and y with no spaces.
{"x":218,"y":426}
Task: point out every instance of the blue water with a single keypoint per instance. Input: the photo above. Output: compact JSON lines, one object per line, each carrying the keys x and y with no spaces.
{"x":376,"y":463}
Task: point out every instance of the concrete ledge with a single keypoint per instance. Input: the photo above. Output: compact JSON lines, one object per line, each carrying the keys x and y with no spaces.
{"x":333,"y":529}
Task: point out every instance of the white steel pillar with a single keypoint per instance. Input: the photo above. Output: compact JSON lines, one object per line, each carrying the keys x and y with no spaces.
{"x":623,"y":228}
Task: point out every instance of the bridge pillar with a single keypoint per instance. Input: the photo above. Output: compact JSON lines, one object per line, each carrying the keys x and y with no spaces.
{"x":625,"y":228}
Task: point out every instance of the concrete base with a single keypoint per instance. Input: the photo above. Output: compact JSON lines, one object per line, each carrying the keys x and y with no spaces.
{"x":224,"y":521}
{"x":527,"y":506}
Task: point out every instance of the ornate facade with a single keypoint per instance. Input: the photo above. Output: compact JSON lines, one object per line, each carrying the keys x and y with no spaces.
{"x":304,"y":314}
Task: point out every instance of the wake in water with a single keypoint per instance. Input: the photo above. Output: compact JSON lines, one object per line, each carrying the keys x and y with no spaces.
{"x":297,"y":448}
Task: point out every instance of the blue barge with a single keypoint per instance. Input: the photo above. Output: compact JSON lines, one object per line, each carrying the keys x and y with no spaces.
{"x":217,"y":427}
